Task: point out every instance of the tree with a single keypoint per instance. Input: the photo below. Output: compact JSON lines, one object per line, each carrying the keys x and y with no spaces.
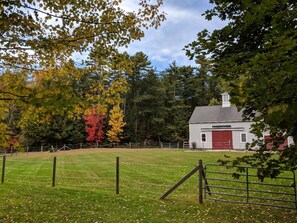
{"x":206,"y":87}
{"x":13,"y":93}
{"x":145,"y":111}
{"x":152,"y":103}
{"x":140,"y":66}
{"x":116,"y":123}
{"x":95,"y":126}
{"x":56,"y":130}
{"x":54,"y":91}
{"x":255,"y":53}
{"x":46,"y":108}
{"x":42,"y":33}
{"x":177,"y":81}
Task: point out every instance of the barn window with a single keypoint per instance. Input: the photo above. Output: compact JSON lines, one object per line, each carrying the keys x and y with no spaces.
{"x":243,"y":137}
{"x":203,"y":137}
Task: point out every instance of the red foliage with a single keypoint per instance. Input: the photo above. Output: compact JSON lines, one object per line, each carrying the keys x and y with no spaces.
{"x":94,"y":126}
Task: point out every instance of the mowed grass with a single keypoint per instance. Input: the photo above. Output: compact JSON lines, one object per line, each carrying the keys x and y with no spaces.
{"x":85,"y":189}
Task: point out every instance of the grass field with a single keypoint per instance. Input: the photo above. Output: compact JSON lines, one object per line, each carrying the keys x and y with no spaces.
{"x":85,"y":189}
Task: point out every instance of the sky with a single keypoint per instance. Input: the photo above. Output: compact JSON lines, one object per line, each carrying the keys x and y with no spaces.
{"x":165,"y":45}
{"x":183,"y":21}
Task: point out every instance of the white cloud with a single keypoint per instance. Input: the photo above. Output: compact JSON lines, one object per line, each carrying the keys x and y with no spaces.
{"x":129,"y":5}
{"x":184,"y":21}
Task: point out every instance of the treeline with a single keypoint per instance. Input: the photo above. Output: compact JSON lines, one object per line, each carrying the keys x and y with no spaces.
{"x":158,"y":105}
{"x":72,"y":105}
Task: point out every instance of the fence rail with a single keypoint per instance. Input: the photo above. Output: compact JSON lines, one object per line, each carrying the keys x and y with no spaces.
{"x":279,"y":192}
{"x":59,"y":172}
{"x":218,"y":181}
{"x":74,"y":146}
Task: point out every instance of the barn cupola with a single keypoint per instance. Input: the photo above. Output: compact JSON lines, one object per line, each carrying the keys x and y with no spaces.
{"x":226,"y":100}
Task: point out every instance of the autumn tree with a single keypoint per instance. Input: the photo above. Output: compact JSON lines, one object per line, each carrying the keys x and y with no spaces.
{"x":13,"y":91}
{"x":116,"y":123}
{"x":54,"y":106}
{"x":42,"y":33}
{"x":39,"y":36}
{"x":256,"y":54}
{"x":95,"y":125}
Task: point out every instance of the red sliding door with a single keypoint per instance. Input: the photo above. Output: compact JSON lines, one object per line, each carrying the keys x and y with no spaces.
{"x":222,"y":140}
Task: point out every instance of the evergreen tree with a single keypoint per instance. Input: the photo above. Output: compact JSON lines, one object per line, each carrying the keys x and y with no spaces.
{"x":205,"y":86}
{"x":58,"y":130}
{"x":178,"y":109}
{"x":152,"y":109}
{"x":140,"y":66}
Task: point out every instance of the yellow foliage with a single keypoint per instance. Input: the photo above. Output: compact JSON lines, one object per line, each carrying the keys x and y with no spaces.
{"x":278,"y":108}
{"x":97,"y":109}
{"x":3,"y":136}
{"x":116,"y":123}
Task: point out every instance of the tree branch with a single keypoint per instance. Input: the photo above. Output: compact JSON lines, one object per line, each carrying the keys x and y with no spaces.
{"x":7,"y":99}
{"x":15,"y":48}
{"x":13,"y":94}
{"x":67,"y":18}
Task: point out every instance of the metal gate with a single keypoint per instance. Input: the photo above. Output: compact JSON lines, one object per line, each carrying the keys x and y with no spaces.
{"x":220,"y":185}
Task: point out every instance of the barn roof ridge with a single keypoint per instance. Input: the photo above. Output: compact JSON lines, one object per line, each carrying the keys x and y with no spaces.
{"x":215,"y":114}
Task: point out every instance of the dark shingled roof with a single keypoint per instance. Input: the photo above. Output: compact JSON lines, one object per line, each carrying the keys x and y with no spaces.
{"x":209,"y":114}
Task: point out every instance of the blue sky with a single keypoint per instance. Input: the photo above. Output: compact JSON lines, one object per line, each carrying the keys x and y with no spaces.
{"x":165,"y":45}
{"x":184,"y":21}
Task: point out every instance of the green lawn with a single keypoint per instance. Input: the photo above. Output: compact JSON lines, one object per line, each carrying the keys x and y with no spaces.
{"x":85,"y":189}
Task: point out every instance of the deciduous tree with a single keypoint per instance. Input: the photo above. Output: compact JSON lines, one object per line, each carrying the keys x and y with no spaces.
{"x":95,"y":125}
{"x":256,"y":54}
{"x":116,"y":123}
{"x":35,"y":33}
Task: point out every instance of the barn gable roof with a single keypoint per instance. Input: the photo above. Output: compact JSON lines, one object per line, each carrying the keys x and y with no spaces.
{"x":215,"y":114}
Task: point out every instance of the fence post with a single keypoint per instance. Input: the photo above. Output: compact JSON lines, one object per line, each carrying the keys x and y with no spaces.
{"x":295,"y":192}
{"x":54,"y":172}
{"x":118,"y":175}
{"x":3,"y":169}
{"x":247,"y":184}
{"x":200,"y":182}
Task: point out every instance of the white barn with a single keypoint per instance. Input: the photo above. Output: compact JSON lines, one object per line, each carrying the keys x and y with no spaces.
{"x":219,"y":127}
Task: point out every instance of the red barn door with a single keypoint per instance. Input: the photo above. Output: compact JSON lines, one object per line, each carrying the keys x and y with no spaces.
{"x":222,"y":140}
